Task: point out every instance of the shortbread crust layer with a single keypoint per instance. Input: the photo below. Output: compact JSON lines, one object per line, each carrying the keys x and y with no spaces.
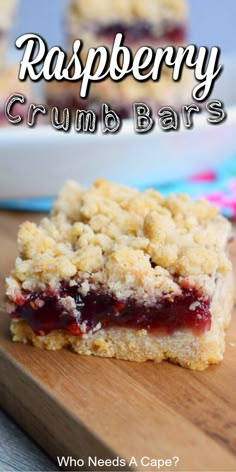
{"x":121,"y":96}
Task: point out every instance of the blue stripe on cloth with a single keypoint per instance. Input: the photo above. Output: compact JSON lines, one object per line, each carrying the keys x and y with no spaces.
{"x":224,"y":184}
{"x":32,"y":204}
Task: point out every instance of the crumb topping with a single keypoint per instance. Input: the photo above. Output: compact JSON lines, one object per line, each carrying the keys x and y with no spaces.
{"x":129,"y":243}
{"x":127,"y":11}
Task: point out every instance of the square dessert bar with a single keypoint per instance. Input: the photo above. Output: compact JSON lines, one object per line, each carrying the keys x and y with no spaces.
{"x":150,"y":21}
{"x":155,"y":23}
{"x":116,"y":272}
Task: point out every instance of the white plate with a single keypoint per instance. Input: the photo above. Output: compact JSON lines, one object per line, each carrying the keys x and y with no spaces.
{"x":36,"y":162}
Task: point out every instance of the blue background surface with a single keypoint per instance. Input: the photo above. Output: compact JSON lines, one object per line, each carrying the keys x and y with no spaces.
{"x":212,"y":22}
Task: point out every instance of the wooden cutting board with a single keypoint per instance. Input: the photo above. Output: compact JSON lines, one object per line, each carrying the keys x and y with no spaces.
{"x":80,"y":406}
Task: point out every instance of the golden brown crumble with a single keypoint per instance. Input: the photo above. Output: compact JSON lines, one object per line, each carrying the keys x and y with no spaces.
{"x":127,"y":11}
{"x":128,"y":242}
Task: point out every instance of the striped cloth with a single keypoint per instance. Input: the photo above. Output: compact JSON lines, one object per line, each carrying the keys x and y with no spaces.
{"x":218,"y":186}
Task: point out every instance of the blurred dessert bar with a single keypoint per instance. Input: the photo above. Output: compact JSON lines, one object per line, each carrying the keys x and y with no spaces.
{"x":156,"y":23}
{"x":9,"y":84}
{"x":149,"y":21}
{"x":7,"y":14}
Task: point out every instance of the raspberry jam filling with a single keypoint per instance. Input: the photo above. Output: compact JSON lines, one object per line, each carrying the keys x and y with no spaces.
{"x":142,"y":31}
{"x":46,"y":312}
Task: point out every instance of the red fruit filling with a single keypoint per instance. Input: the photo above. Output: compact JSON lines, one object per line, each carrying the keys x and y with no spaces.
{"x":46,"y":312}
{"x":142,"y":31}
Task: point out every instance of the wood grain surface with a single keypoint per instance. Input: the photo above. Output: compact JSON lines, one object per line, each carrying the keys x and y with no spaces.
{"x":18,"y":452}
{"x":80,"y":406}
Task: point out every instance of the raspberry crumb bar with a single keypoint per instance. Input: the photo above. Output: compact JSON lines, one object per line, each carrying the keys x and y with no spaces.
{"x":120,"y":273}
